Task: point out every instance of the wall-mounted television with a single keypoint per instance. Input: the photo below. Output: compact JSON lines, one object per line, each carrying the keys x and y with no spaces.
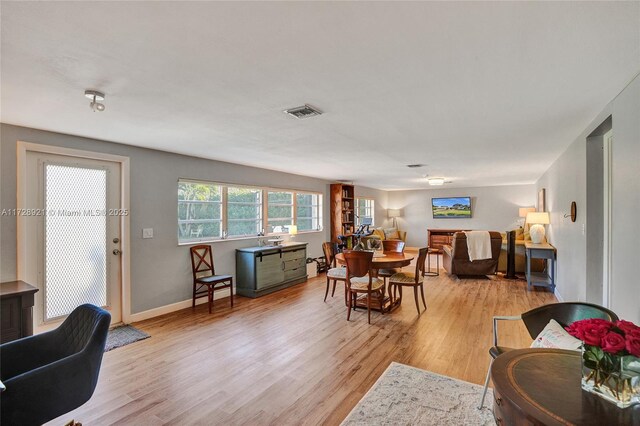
{"x":451,"y":208}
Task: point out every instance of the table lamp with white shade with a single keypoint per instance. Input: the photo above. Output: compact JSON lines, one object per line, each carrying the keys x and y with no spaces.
{"x":537,"y":221}
{"x":293,"y":231}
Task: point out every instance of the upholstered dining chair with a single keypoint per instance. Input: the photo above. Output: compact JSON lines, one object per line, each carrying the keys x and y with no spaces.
{"x":390,"y":246}
{"x":334,"y":273}
{"x":205,"y":280}
{"x":411,"y":279}
{"x":52,"y":373}
{"x":361,"y":280}
{"x":536,"y":320}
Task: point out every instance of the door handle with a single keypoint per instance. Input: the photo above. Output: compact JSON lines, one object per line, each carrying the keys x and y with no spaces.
{"x":117,"y":252}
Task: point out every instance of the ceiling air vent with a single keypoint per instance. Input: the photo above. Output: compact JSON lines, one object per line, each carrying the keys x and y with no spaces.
{"x":304,"y":111}
{"x":415,"y":166}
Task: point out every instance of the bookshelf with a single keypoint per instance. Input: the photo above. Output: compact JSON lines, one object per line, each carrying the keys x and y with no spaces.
{"x":343,"y":203}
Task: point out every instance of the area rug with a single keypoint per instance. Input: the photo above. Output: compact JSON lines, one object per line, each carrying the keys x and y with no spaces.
{"x":122,"y":336}
{"x":406,"y":395}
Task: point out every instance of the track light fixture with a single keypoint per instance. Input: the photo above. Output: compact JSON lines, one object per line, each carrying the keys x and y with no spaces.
{"x":95,"y":97}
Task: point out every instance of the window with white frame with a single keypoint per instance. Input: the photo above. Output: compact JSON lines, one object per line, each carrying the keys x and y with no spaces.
{"x":199,"y":211}
{"x":308,"y":212}
{"x":211,"y":211}
{"x":365,"y":207}
{"x":279,"y":211}
{"x":244,"y":211}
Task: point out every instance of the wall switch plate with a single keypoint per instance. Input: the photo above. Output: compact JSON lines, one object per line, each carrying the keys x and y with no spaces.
{"x":147,"y":233}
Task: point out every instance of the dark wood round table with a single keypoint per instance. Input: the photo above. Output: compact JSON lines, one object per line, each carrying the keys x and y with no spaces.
{"x":542,"y":387}
{"x":384,"y":261}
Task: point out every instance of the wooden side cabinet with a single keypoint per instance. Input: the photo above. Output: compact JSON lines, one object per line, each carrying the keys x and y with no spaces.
{"x":16,"y":310}
{"x":541,"y":251}
{"x":436,"y":238}
{"x":263,"y":270}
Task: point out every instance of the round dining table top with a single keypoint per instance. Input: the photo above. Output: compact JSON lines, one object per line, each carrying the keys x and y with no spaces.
{"x":542,"y":386}
{"x":384,"y":260}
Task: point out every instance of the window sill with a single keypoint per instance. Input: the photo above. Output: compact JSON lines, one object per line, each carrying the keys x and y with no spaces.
{"x":226,"y":240}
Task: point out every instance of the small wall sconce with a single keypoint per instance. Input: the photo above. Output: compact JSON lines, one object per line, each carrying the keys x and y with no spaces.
{"x":574,"y":212}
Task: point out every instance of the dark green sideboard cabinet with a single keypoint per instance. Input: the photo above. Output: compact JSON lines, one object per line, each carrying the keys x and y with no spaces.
{"x":263,"y":270}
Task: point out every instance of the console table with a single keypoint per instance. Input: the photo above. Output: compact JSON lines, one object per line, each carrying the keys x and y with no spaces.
{"x":436,"y":238}
{"x":542,"y":387}
{"x":263,"y":270}
{"x":16,"y":304}
{"x":541,"y":251}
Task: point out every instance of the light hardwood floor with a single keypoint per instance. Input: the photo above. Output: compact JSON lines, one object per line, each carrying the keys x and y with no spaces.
{"x":289,"y":358}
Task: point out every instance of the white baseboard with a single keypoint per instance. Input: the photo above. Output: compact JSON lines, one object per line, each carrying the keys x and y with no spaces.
{"x":156,"y":312}
{"x":558,"y":296}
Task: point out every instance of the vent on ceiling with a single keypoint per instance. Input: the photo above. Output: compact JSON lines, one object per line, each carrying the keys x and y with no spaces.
{"x":304,"y":111}
{"x":415,"y":166}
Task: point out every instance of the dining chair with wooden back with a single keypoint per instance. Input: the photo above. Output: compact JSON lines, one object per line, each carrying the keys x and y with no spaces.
{"x":393,"y":246}
{"x":204,"y":275}
{"x":537,"y":319}
{"x":390,"y":246}
{"x":334,"y":273}
{"x":360,"y":279}
{"x":411,"y":279}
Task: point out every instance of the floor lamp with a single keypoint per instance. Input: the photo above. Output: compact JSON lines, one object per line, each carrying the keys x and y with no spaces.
{"x":393,"y":213}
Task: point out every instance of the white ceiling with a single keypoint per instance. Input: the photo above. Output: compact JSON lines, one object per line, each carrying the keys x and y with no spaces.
{"x":483,"y":93}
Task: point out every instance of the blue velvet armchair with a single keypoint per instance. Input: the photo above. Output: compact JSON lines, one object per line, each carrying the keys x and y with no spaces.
{"x":53,"y":373}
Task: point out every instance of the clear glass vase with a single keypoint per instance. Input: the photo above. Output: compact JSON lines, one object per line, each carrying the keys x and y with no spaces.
{"x":613,"y":378}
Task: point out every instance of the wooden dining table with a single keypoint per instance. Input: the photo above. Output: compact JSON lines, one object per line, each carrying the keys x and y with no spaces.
{"x":385,"y":260}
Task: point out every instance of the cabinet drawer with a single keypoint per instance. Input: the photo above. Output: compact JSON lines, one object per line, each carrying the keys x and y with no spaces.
{"x":294,"y":264}
{"x":503,"y":412}
{"x":295,"y":273}
{"x":440,"y":240}
{"x":294,"y":254}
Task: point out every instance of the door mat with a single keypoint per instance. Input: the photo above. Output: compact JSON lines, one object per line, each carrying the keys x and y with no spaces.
{"x":122,"y":336}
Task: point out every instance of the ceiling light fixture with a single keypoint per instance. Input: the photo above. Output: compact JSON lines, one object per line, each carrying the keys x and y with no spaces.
{"x":436,"y":181}
{"x":95,"y":97}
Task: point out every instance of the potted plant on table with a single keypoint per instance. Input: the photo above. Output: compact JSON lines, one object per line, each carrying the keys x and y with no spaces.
{"x":610,"y":359}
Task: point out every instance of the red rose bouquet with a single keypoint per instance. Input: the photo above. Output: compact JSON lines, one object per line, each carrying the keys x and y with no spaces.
{"x":610,"y":359}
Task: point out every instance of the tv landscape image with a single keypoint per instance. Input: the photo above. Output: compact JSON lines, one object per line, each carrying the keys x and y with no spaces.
{"x":451,"y":208}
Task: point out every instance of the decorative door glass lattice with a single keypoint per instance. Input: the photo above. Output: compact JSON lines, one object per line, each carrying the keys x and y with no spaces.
{"x":75,"y":238}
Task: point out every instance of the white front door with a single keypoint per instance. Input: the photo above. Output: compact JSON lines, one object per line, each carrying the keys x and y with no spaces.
{"x":73,"y":234}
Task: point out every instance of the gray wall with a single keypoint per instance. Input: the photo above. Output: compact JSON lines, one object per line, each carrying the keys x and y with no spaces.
{"x":494,"y":208}
{"x":160,"y":269}
{"x":566,"y":180}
